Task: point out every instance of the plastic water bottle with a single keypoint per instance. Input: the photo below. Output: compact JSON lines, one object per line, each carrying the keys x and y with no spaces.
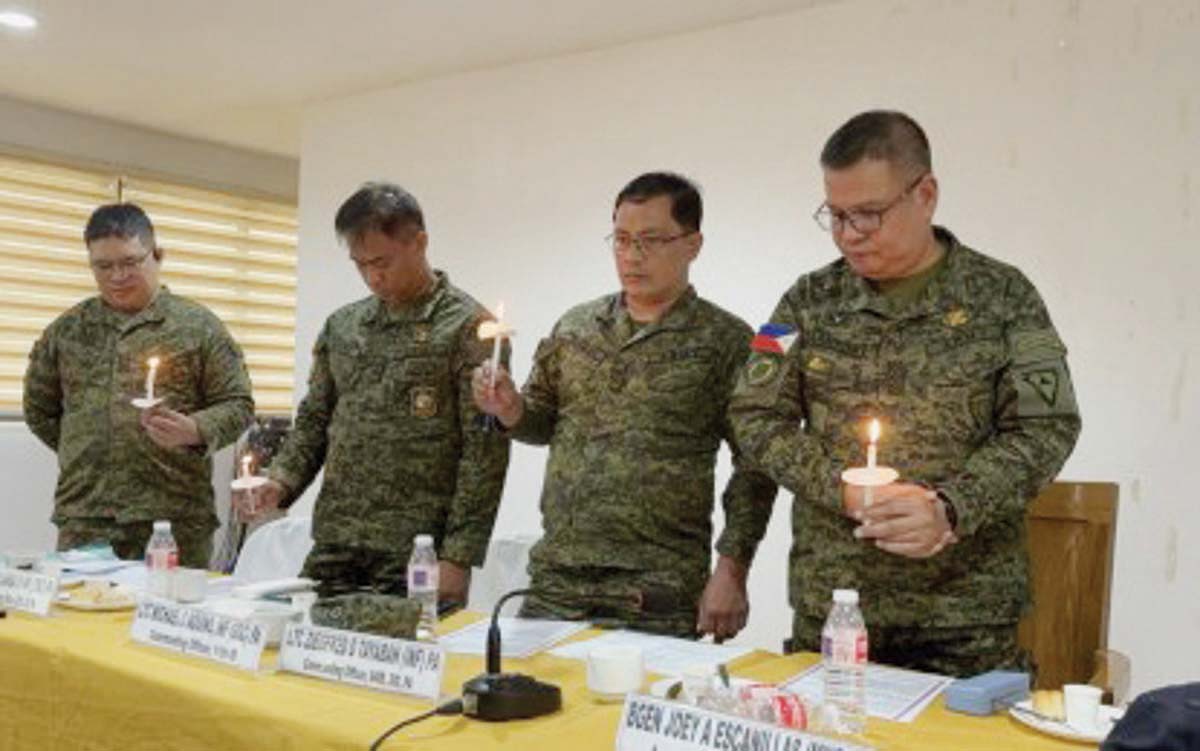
{"x":423,"y":584}
{"x":162,"y":558}
{"x":844,"y":653}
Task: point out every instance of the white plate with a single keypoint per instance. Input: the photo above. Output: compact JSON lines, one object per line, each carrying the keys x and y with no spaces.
{"x":1060,"y":729}
{"x":117,"y":598}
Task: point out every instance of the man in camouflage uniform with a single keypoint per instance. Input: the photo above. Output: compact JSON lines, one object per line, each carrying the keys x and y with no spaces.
{"x":630,"y":392}
{"x":388,"y":413}
{"x":955,"y":354}
{"x":120,"y":468}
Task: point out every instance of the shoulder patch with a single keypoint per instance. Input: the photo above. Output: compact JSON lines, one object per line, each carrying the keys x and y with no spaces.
{"x":761,"y":370}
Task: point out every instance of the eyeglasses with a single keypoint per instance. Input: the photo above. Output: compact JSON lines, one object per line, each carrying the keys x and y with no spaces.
{"x":647,"y":244}
{"x":125,"y":264}
{"x":863,"y":221}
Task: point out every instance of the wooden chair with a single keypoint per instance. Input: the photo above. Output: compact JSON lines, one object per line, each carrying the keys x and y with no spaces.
{"x":1071,"y":528}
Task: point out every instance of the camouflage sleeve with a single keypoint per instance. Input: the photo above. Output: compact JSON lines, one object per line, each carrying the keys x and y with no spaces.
{"x":540,"y":393}
{"x":1036,"y":420}
{"x":481,"y":466}
{"x":749,"y":495}
{"x":302,"y":454}
{"x":43,"y":391}
{"x":225,"y":391}
{"x":767,"y":416}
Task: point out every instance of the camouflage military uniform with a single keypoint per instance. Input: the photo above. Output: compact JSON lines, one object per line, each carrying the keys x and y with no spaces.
{"x":83,"y":372}
{"x":634,"y":418}
{"x":971,"y":383}
{"x":389,"y":413}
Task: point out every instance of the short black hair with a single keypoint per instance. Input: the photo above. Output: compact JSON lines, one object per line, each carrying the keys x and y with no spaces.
{"x":885,"y":135}
{"x":379,"y":206}
{"x":686,"y":207}
{"x":124,"y":220}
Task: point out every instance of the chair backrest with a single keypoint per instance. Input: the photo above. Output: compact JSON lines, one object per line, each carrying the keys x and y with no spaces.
{"x":1071,"y":528}
{"x":276,"y":550}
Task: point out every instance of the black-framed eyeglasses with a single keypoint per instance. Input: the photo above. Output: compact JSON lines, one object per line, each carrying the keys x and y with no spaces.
{"x":863,"y":221}
{"x":125,"y":264}
{"x":620,"y":242}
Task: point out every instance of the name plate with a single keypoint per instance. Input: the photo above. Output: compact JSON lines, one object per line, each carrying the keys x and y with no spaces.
{"x":27,"y":591}
{"x":394,"y":665}
{"x":648,"y":723}
{"x":199,"y":633}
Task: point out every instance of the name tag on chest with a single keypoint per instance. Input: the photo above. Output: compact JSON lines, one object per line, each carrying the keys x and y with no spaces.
{"x":27,"y":591}
{"x":378,"y":662}
{"x":199,"y":633}
{"x":649,"y":724}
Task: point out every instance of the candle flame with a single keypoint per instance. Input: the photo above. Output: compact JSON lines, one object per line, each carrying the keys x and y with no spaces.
{"x":873,"y":431}
{"x":153,"y":362}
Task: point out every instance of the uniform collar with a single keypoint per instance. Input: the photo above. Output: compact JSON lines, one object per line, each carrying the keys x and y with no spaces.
{"x":677,"y":317}
{"x":420,"y":309}
{"x":945,"y":289}
{"x":154,"y":312}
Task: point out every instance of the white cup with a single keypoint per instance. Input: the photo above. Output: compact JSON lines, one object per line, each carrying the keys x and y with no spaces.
{"x":1082,"y":705}
{"x":614,"y":671}
{"x":189,"y":585}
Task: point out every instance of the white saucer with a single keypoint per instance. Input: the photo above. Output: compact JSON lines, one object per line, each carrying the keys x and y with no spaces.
{"x":1060,"y":729}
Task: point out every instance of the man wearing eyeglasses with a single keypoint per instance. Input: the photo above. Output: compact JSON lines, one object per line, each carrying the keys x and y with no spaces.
{"x":955,"y":354}
{"x":630,"y":393}
{"x":121,"y":468}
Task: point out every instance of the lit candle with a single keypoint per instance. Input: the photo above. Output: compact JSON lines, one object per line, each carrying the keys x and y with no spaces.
{"x":496,"y":340}
{"x":153,"y":363}
{"x":495,"y":330}
{"x":873,"y":433}
{"x":873,"y":436}
{"x":246,"y":459}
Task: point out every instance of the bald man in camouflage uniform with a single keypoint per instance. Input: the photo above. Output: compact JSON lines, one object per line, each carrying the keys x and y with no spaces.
{"x":121,"y":468}
{"x":955,"y":354}
{"x":389,"y":416}
{"x":630,"y":392}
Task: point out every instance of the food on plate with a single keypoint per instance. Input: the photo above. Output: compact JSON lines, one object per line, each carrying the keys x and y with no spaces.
{"x":1049,"y":703}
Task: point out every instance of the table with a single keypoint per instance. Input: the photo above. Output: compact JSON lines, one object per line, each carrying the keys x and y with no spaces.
{"x":75,"y":682}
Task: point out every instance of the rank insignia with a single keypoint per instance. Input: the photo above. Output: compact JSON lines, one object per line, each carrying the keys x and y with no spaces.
{"x":957,"y":317}
{"x":424,"y":401}
{"x":421,"y":333}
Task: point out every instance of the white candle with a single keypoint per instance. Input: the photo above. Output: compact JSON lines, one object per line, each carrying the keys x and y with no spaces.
{"x":246,"y":465}
{"x":873,"y":433}
{"x":873,"y":436}
{"x":496,"y":340}
{"x":153,"y":363}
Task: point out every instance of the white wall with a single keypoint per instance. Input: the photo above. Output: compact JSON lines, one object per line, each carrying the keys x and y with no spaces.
{"x":1065,"y":138}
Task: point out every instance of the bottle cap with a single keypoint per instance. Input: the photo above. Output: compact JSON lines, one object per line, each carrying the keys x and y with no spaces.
{"x":845,"y":596}
{"x":423,"y":540}
{"x":162,"y":526}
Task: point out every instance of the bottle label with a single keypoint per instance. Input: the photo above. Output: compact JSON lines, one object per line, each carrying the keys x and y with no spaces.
{"x":845,"y":647}
{"x":162,"y":559}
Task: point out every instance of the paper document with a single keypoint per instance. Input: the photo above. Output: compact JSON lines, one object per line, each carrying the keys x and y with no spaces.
{"x":892,"y":693}
{"x":519,"y":637}
{"x":662,"y":654}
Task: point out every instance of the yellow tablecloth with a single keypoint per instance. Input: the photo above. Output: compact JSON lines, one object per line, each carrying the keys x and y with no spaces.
{"x":75,"y":681}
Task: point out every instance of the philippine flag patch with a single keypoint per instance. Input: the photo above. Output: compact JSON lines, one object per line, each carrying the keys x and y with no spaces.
{"x":773,"y":338}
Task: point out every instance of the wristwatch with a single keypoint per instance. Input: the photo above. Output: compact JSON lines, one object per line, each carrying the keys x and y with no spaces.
{"x":948,"y":509}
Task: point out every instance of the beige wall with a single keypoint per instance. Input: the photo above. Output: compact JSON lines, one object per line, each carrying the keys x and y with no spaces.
{"x":1065,"y":137}
{"x":52,"y":133}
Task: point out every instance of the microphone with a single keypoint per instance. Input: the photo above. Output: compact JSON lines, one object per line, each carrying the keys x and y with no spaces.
{"x":494,"y":696}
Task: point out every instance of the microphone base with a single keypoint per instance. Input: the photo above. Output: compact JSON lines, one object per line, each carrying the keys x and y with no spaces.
{"x":497,"y":697}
